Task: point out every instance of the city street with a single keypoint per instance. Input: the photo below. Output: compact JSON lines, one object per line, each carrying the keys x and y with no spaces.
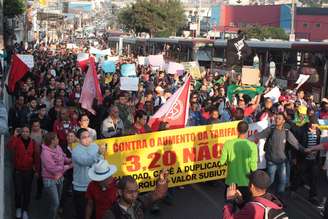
{"x":201,"y":201}
{"x":158,"y":93}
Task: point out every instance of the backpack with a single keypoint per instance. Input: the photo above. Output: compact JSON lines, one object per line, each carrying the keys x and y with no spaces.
{"x":271,"y":213}
{"x":270,"y":135}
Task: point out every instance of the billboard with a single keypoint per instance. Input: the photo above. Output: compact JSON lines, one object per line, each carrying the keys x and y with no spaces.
{"x":78,"y":7}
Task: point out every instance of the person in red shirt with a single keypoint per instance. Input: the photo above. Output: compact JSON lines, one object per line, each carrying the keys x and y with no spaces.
{"x":246,"y":104}
{"x":102,"y":191}
{"x":63,"y":125}
{"x":140,"y":123}
{"x":249,"y":109}
{"x":26,"y":163}
{"x":323,"y":114}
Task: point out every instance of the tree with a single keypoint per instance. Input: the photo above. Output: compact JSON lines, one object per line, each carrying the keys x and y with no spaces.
{"x":13,"y":7}
{"x":162,"y":18}
{"x":265,"y":32}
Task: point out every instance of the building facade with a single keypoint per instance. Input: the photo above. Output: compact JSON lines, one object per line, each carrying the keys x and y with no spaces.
{"x":310,"y":23}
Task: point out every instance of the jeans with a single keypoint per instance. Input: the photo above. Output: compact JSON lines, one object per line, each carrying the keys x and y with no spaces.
{"x":52,"y":190}
{"x":281,"y":170}
{"x":80,"y":203}
{"x":23,"y":187}
{"x":310,"y":173}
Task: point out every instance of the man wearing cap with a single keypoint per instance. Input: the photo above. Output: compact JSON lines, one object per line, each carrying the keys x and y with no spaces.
{"x":102,"y":191}
{"x":259,"y":182}
{"x":159,"y":99}
{"x":323,"y":113}
{"x":301,"y":117}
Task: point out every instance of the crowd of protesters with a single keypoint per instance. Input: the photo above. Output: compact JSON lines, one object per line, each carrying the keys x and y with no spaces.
{"x":47,"y":119}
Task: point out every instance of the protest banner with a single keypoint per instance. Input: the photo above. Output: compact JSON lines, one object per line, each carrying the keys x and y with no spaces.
{"x":250,"y":76}
{"x":94,"y":50}
{"x":112,"y":58}
{"x":253,"y":129}
{"x":129,"y":83}
{"x":274,"y":94}
{"x":99,"y":52}
{"x":109,"y":66}
{"x":174,"y":68}
{"x":301,"y":80}
{"x":156,"y":60}
{"x":323,"y":124}
{"x":142,"y":60}
{"x":193,"y":69}
{"x":128,"y":70}
{"x":191,"y":154}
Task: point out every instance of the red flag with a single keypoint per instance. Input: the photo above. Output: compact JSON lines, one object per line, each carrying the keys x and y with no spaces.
{"x":17,"y":70}
{"x":175,"y":110}
{"x":91,"y":88}
{"x":83,"y":60}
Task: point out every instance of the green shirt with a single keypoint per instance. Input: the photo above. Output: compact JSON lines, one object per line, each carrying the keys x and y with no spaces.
{"x":241,"y":157}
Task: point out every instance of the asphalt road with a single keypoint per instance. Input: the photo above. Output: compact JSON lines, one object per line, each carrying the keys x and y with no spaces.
{"x":201,"y":201}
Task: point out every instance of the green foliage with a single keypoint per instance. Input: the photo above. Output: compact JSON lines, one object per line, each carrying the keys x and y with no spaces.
{"x":12,"y":8}
{"x":265,"y":32}
{"x":160,"y":18}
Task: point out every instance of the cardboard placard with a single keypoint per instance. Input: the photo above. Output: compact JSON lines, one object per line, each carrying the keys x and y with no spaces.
{"x":109,"y":66}
{"x":250,"y":76}
{"x":129,"y":83}
{"x":142,"y":60}
{"x":193,"y":69}
{"x":156,"y":60}
{"x":128,"y":70}
{"x":174,"y":68}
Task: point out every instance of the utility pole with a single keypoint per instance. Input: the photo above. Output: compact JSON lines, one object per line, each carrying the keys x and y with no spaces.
{"x":292,"y":28}
{"x":198,"y":17}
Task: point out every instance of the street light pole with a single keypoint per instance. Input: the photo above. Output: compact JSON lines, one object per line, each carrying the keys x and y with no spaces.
{"x":292,"y":28}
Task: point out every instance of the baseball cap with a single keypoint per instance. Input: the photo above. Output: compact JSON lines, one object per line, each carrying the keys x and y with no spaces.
{"x":260,"y":179}
{"x":283,"y":98}
{"x":324,"y":100}
{"x":302,"y":109}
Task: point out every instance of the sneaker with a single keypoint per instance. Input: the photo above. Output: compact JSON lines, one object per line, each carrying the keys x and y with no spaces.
{"x":322,"y":204}
{"x":25,"y":215}
{"x":18,"y":212}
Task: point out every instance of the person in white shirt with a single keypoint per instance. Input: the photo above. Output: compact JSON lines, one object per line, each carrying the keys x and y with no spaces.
{"x":112,"y":126}
{"x":84,"y":123}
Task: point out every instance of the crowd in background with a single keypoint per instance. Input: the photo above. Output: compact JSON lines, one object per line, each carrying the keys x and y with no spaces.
{"x":47,"y":119}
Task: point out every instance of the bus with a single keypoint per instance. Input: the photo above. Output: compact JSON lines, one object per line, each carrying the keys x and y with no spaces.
{"x":290,"y":58}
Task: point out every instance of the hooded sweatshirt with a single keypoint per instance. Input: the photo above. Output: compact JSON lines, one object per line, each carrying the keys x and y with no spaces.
{"x":54,"y":162}
{"x":251,"y":209}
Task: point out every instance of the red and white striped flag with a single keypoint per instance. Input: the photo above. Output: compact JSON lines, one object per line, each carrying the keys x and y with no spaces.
{"x":20,"y":65}
{"x":83,"y":60}
{"x":91,"y":88}
{"x":175,"y":110}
